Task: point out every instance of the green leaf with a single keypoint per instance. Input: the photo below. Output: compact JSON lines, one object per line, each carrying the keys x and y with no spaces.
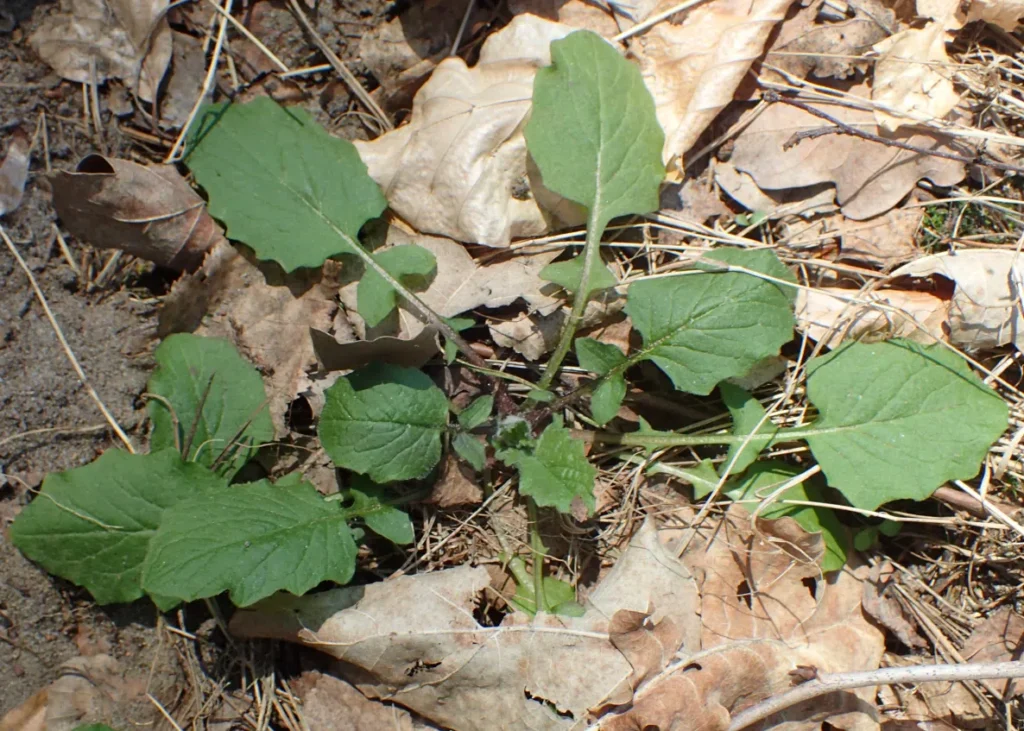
{"x":410,"y":264}
{"x":593,"y":131}
{"x":233,"y":414}
{"x":865,"y":538}
{"x":703,"y":328}
{"x":601,"y":358}
{"x":898,"y":419}
{"x":555,"y":471}
{"x":702,"y":476}
{"x":470,"y":449}
{"x":566,"y":274}
{"x":477,"y":412}
{"x":458,"y":324}
{"x":384,"y":421}
{"x":763,"y":478}
{"x":250,"y":540}
{"x":92,"y":525}
{"x":383,"y":518}
{"x":747,"y":415}
{"x":559,"y":596}
{"x":280,"y":182}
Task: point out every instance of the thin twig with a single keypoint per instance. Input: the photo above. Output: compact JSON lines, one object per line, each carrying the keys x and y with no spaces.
{"x":833,"y":682}
{"x":64,"y":344}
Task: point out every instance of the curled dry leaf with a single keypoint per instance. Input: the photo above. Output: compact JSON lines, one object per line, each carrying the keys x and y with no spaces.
{"x":870,"y":177}
{"x":912,"y":78}
{"x":810,"y":43}
{"x":149,"y":211}
{"x":14,"y":171}
{"x":985,"y":310}
{"x":93,"y":40}
{"x":693,"y":67}
{"x":266,"y":317}
{"x":532,"y":334}
{"x":831,"y":315}
{"x":804,"y":202}
{"x":414,"y":641}
{"x":459,"y":168}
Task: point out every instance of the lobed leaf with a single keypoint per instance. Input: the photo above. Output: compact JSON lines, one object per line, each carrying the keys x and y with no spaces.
{"x":384,"y":421}
{"x":556,"y":471}
{"x":280,"y":182}
{"x":193,"y":370}
{"x":898,"y":419}
{"x":93,"y":525}
{"x":703,"y":328}
{"x":251,"y":540}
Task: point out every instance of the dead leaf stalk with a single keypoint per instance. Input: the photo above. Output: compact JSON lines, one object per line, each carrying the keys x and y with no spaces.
{"x":833,"y":682}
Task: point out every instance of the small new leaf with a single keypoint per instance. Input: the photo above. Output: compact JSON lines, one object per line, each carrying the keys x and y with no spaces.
{"x":602,"y":358}
{"x":92,"y":525}
{"x":898,"y":419}
{"x":370,"y":503}
{"x":555,"y":471}
{"x":566,"y":274}
{"x":748,"y":418}
{"x":470,"y":449}
{"x":703,"y":328}
{"x":193,"y":371}
{"x":251,"y":540}
{"x":411,"y":265}
{"x":384,"y":421}
{"x":477,"y":412}
{"x":280,"y":182}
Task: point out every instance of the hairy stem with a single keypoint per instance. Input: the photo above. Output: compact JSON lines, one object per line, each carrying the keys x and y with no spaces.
{"x":591,"y":256}
{"x":833,"y":682}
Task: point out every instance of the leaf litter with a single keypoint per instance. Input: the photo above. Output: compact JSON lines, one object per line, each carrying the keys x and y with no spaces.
{"x":665,"y":641}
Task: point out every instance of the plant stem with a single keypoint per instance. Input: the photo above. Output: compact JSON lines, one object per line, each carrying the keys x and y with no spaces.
{"x":591,"y":255}
{"x":537,"y":548}
{"x":833,"y":682}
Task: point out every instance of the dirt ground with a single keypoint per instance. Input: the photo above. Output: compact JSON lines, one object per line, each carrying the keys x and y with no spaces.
{"x":48,"y":422}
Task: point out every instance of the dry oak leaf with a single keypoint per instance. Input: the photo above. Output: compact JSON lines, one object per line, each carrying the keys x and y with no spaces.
{"x":912,"y":81}
{"x":14,"y":171}
{"x":809,"y":43}
{"x":884,"y":241}
{"x":766,"y":609}
{"x":268,"y":317}
{"x":459,"y":167}
{"x":831,"y":315}
{"x":149,"y":211}
{"x":414,"y":641}
{"x":870,"y":177}
{"x":90,"y":41}
{"x":985,"y":310}
{"x":1000,"y":638}
{"x":693,"y":67}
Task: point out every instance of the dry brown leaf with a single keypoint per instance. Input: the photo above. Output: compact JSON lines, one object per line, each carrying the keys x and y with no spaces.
{"x":1004,"y":13}
{"x":883,"y":241}
{"x":455,"y":486}
{"x":331,"y":704}
{"x":930,"y":706}
{"x":809,"y":201}
{"x":343,"y":352}
{"x":267,"y":321}
{"x":148,"y":211}
{"x":766,"y":604}
{"x":14,"y":171}
{"x":415,"y":641}
{"x":459,"y":167}
{"x":93,"y":40}
{"x":985,"y":311}
{"x":1000,"y":638}
{"x":693,"y":68}
{"x":912,"y":78}
{"x":584,"y":15}
{"x":809,"y":43}
{"x":828,"y":315}
{"x":532,"y":334}
{"x":870,"y":177}
{"x":188,"y":67}
{"x":886,"y":609}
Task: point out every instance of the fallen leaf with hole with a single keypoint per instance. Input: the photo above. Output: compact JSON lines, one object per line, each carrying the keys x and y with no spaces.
{"x":1000,"y":638}
{"x":985,"y":309}
{"x":912,"y":81}
{"x":694,"y":66}
{"x":811,"y":44}
{"x":149,"y":211}
{"x":870,"y":177}
{"x":416,"y":642}
{"x":14,"y":171}
{"x":831,"y":315}
{"x":459,"y":167}
{"x":90,"y":41}
{"x":266,"y":315}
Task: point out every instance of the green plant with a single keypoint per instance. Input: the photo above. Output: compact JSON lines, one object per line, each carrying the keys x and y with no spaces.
{"x":892,"y":420}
